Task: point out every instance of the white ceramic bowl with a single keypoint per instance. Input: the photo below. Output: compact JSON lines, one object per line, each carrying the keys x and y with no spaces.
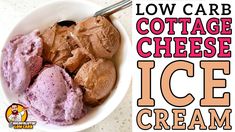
{"x":43,"y":17}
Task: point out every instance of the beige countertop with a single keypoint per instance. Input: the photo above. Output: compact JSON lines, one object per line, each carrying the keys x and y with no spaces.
{"x":13,"y":10}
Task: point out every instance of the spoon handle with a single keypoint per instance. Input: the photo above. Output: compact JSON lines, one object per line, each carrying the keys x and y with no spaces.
{"x":113,"y":8}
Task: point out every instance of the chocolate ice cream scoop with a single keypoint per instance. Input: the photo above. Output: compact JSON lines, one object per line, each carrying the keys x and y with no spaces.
{"x":97,"y":77}
{"x":79,"y":57}
{"x":22,"y":60}
{"x":54,"y":98}
{"x":98,"y":35}
{"x":58,"y":44}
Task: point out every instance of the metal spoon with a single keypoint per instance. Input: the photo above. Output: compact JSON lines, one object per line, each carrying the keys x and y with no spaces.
{"x":114,"y":8}
{"x":106,"y":12}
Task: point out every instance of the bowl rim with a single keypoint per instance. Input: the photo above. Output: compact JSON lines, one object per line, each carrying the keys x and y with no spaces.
{"x":123,"y":32}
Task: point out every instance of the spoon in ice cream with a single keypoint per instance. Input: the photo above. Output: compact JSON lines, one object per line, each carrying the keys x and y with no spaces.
{"x":106,"y":12}
{"x":113,"y":8}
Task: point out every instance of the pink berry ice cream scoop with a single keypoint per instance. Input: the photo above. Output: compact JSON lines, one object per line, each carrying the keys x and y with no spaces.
{"x":53,"y":97}
{"x":21,"y":60}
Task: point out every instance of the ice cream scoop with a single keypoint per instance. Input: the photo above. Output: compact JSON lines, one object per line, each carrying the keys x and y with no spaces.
{"x":58,"y":44}
{"x":97,"y":32}
{"x":22,"y":60}
{"x":97,"y":77}
{"x":79,"y":57}
{"x":98,"y":35}
{"x":53,"y":97}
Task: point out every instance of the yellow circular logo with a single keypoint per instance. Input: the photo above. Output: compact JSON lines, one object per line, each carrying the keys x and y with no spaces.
{"x":16,"y":112}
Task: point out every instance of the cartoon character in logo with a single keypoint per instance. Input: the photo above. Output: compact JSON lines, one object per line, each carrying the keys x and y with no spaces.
{"x":16,"y":112}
